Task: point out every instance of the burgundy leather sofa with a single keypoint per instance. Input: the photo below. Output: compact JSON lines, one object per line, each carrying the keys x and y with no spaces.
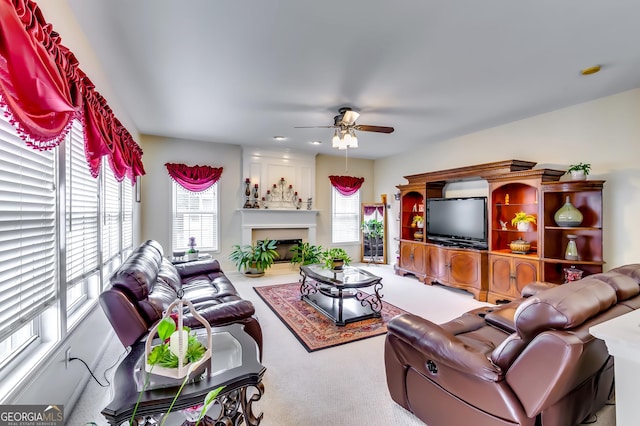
{"x":529,"y":362}
{"x":147,"y":283}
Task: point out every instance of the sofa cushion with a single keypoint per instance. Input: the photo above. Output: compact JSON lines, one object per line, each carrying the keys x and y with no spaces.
{"x":563,"y":307}
{"x":169,"y":275}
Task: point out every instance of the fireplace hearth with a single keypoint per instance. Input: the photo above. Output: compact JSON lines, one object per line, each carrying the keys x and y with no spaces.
{"x":283,"y":247}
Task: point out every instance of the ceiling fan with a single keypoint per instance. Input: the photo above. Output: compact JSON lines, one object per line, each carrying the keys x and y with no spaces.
{"x":345,"y":124}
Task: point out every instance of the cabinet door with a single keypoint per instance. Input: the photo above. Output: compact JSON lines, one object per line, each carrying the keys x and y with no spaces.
{"x":500,"y":275}
{"x":524,"y":272}
{"x":436,"y":265}
{"x":464,"y":268}
{"x":406,"y":255}
{"x":412,"y":257}
{"x":419,"y":258}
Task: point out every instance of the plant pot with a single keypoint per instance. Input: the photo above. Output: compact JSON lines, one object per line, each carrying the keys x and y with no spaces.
{"x":192,"y":256}
{"x":254,"y":272}
{"x":578,"y":175}
{"x":523,"y":226}
{"x":337,"y":264}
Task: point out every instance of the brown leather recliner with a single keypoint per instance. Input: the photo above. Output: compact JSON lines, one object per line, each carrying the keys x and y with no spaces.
{"x":146,"y":284}
{"x":530,"y":362}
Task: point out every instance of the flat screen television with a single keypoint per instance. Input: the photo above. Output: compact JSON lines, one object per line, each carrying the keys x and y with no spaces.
{"x":458,"y":221}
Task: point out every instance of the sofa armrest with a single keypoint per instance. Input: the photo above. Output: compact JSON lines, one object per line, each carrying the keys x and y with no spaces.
{"x":222,"y":313}
{"x":440,"y":346}
{"x":200,"y":267}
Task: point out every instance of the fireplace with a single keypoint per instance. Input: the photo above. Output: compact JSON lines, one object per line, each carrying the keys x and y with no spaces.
{"x":283,"y":247}
{"x":260,"y":224}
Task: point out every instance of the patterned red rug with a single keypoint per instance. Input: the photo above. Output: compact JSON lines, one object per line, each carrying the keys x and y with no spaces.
{"x":313,"y":329}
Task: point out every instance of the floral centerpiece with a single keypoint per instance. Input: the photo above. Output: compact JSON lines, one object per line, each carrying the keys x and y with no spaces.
{"x":179,"y":352}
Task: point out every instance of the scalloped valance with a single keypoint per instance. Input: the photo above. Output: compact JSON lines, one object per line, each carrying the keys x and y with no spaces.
{"x":346,"y":185}
{"x":194,"y":178}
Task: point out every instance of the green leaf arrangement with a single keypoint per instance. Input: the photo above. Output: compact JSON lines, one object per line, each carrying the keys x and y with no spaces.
{"x":162,"y":355}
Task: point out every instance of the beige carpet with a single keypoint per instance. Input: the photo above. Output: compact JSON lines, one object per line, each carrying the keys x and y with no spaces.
{"x":344,"y":385}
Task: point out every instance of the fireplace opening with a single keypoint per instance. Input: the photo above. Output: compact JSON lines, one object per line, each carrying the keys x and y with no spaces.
{"x":283,"y":247}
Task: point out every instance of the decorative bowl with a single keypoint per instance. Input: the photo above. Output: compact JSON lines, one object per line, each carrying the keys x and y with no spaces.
{"x":520,"y":246}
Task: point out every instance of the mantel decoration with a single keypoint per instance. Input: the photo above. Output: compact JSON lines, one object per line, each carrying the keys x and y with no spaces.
{"x":281,"y":196}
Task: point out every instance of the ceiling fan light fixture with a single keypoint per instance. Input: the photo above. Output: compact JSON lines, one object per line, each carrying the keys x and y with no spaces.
{"x":335,"y":142}
{"x":354,"y":140}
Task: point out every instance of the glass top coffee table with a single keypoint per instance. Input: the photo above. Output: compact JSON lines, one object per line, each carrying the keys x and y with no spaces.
{"x":234,"y":364}
{"x":338,"y":293}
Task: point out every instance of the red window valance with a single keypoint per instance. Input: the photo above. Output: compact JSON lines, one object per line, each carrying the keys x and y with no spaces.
{"x":42,"y":90}
{"x":346,"y":185}
{"x":194,"y":178}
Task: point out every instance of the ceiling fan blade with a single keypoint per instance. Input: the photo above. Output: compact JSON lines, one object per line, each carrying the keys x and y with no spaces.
{"x":313,"y":127}
{"x":379,"y":129}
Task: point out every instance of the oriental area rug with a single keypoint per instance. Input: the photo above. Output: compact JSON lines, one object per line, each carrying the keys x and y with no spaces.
{"x":312,"y":329}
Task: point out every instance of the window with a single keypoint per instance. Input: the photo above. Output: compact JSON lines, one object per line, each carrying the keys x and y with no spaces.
{"x":345,"y":217}
{"x":81,"y":221}
{"x":127,"y":215}
{"x":28,"y":243}
{"x":195,"y":214}
{"x":110,"y":214}
{"x":52,"y":226}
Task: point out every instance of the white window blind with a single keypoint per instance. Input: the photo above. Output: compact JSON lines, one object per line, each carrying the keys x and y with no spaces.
{"x":110,"y":214}
{"x":27,"y":231}
{"x":195,"y":214}
{"x":81,"y":210}
{"x":127,"y":214}
{"x":345,"y":217}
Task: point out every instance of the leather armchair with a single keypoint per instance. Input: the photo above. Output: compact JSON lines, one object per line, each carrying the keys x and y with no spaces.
{"x":529,"y":362}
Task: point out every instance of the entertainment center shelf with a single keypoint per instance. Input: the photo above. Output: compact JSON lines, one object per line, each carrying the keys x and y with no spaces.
{"x":499,"y":273}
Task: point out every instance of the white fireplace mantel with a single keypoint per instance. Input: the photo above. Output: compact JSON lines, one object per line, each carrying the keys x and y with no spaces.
{"x":278,"y":219}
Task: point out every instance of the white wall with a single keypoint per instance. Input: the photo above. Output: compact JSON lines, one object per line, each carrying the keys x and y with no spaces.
{"x":604,"y":132}
{"x":156,"y":187}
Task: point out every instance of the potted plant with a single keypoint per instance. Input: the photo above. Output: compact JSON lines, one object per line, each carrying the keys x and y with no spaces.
{"x":335,"y":258}
{"x":373,"y":228}
{"x":254,"y":260}
{"x":306,"y":254}
{"x":522,"y":221}
{"x":192,"y":253}
{"x":579,"y":171}
{"x":418,"y":221}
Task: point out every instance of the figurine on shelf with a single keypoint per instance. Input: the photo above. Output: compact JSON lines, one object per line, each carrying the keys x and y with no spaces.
{"x":255,"y":197}
{"x":247,"y":194}
{"x":309,"y":203}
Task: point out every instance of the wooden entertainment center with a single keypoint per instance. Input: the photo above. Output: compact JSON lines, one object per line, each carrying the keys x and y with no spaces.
{"x":497,"y":274}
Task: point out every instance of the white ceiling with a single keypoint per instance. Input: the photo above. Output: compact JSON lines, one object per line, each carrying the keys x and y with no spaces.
{"x":241,"y":72}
